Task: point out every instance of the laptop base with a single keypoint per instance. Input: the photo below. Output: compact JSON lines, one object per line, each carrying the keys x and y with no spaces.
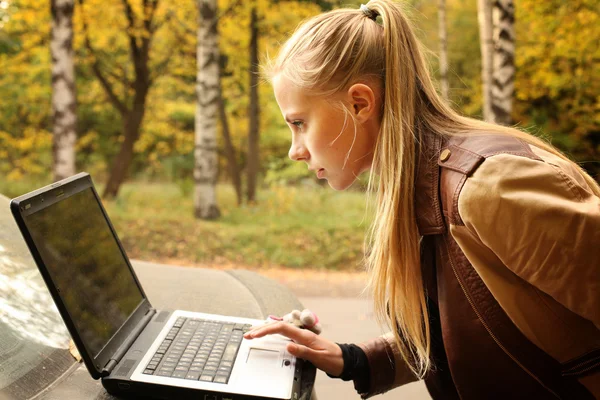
{"x":128,"y":389}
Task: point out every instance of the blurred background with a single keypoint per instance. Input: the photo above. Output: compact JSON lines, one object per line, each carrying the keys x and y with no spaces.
{"x":162,"y":103}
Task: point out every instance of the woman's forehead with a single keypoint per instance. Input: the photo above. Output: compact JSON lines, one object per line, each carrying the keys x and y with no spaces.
{"x":287,"y":93}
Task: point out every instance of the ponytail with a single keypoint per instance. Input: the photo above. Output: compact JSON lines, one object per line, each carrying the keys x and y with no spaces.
{"x":394,"y":261}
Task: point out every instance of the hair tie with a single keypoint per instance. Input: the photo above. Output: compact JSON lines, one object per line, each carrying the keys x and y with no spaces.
{"x":369,"y":13}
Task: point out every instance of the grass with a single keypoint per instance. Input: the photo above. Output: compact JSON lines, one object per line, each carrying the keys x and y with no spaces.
{"x":298,"y":227}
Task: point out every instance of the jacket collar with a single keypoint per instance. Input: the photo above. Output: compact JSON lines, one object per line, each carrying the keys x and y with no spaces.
{"x":428,"y":208}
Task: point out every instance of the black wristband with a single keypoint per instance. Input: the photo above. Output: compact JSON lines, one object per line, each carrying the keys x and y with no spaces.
{"x":356,"y":367}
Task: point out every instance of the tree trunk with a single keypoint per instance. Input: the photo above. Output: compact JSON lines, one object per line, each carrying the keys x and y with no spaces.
{"x":484,"y":15}
{"x":64,"y":102}
{"x":132,"y":122}
{"x":503,"y":17}
{"x":253,"y":111}
{"x":139,"y":47}
{"x":443,"y":48}
{"x":234,"y":170}
{"x":207,"y":95}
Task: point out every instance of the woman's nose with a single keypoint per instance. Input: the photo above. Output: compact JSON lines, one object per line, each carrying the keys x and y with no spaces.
{"x":298,"y":152}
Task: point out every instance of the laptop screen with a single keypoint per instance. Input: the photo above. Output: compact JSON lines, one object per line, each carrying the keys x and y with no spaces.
{"x":87,"y":266}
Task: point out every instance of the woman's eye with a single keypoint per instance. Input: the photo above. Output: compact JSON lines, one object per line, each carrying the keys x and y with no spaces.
{"x":298,"y":123}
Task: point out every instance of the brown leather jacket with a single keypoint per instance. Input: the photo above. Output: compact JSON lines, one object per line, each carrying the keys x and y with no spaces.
{"x":511,"y":262}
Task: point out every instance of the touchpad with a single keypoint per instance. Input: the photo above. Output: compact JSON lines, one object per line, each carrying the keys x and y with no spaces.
{"x":262,"y":357}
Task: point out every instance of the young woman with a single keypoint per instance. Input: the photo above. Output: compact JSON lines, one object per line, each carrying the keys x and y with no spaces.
{"x":483,"y":253}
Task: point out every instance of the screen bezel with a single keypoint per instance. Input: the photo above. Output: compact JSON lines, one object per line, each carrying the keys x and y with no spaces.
{"x":37,"y":200}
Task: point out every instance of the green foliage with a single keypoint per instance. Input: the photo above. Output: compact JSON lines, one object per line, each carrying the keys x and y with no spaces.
{"x":558,"y":66}
{"x":25,"y":139}
{"x":284,"y":171}
{"x":557,"y":56}
{"x":289,"y":226}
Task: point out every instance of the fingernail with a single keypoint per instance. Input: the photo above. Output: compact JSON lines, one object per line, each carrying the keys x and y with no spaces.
{"x":292,"y":348}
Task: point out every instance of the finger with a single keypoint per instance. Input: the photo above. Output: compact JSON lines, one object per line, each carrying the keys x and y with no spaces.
{"x":255,"y":327}
{"x":299,"y":335}
{"x":300,"y":351}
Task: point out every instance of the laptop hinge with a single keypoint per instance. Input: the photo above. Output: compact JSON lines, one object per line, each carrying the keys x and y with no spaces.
{"x":114,"y":360}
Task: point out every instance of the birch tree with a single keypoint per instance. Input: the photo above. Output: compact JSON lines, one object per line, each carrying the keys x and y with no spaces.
{"x":443,"y":48}
{"x":64,"y":113}
{"x":207,"y":102}
{"x":484,"y":16}
{"x":503,"y":76}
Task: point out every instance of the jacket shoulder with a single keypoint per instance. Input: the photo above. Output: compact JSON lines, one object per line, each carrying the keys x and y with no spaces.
{"x":461,"y":156}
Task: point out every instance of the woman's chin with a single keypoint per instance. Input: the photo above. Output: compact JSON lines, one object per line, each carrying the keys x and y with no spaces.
{"x":340,"y":185}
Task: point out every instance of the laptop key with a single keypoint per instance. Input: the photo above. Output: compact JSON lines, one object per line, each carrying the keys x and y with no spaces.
{"x":148,"y":371}
{"x":193,"y":375}
{"x":230,"y":352}
{"x":206,"y":378}
{"x":163,"y":373}
{"x":220,"y":379}
{"x":179,"y":374}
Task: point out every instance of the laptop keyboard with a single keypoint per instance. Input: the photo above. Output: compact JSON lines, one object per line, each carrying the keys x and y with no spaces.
{"x":198,"y":349}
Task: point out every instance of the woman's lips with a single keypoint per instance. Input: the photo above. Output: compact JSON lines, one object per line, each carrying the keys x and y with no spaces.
{"x":320,"y":173}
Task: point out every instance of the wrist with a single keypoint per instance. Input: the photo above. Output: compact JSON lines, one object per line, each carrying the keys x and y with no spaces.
{"x":355,"y":364}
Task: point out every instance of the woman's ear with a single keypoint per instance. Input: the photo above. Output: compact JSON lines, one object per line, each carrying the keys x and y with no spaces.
{"x":362,"y":100}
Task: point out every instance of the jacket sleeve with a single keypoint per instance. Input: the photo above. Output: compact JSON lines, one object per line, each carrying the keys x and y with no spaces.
{"x":543,"y":222}
{"x":386,"y":367}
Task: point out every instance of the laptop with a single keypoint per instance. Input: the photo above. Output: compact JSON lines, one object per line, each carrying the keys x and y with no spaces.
{"x":132,"y":347}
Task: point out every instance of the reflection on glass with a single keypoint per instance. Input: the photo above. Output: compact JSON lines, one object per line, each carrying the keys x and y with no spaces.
{"x":31,"y":330}
{"x":86,"y":264}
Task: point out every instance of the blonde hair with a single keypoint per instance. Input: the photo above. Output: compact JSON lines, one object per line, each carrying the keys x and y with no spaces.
{"x":326,"y":55}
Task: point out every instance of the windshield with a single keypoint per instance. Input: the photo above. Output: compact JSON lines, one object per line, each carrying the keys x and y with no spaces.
{"x":34,"y":342}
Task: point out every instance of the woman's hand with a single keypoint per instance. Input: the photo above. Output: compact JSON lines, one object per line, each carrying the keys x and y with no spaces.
{"x":324,"y":354}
